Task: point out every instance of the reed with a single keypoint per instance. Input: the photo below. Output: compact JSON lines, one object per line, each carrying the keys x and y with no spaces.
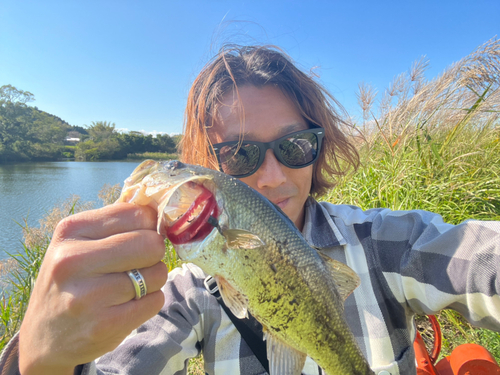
{"x":152,"y":155}
{"x":19,"y":272}
{"x":433,"y":145}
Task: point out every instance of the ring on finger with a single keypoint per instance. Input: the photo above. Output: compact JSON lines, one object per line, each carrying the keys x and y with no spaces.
{"x":139,"y":283}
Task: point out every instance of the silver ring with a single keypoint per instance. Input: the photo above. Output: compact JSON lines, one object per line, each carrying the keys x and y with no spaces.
{"x":139,"y":283}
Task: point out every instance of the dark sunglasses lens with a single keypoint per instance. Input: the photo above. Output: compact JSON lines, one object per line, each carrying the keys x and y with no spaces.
{"x":299,"y":149}
{"x":239,"y":160}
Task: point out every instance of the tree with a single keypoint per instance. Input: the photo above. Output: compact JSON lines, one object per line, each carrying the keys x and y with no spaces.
{"x":27,"y":133}
{"x":92,"y":151}
{"x":47,"y":128}
{"x":177,"y":139}
{"x":79,"y":129}
{"x":165,"y":143}
{"x":101,"y":130}
{"x":9,"y":93}
{"x":15,"y":132}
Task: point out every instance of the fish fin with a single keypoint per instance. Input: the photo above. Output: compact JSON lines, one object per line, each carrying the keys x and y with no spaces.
{"x":344,"y":277}
{"x":234,"y":300}
{"x":242,"y":239}
{"x":283,"y":359}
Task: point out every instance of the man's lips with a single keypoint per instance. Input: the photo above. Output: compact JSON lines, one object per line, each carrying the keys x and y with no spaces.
{"x":281,"y":202}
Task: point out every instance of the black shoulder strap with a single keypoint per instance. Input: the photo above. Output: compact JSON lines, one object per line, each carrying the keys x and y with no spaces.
{"x":250,"y":329}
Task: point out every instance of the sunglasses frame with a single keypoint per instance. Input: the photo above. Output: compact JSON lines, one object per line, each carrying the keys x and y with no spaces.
{"x":273,"y":145}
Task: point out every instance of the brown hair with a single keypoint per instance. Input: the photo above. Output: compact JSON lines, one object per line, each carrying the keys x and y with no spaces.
{"x":258,"y":66}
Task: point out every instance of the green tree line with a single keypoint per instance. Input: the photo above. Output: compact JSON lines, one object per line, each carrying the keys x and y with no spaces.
{"x":29,"y":134}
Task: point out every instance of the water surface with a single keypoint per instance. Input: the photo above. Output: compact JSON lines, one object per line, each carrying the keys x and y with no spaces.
{"x":31,"y":190}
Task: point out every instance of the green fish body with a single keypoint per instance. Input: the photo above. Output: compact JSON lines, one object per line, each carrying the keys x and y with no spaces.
{"x":260,"y":261}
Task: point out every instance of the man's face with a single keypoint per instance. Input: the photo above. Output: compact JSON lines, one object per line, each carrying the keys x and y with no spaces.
{"x":267,"y":115}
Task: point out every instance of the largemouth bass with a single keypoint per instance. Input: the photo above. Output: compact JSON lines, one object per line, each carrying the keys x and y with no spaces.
{"x":260,"y":261}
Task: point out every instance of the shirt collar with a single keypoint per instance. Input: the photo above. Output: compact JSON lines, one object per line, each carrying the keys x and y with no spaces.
{"x":319,"y":229}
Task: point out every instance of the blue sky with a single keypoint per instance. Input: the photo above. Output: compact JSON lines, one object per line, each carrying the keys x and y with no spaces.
{"x":132,"y":62}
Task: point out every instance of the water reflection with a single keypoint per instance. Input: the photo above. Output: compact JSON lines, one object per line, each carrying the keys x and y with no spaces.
{"x":33,"y":189}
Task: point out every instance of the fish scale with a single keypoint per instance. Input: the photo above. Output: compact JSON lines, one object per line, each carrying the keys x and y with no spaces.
{"x":263,"y":265}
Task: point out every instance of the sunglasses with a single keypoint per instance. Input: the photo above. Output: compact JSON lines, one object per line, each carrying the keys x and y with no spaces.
{"x":294,"y":150}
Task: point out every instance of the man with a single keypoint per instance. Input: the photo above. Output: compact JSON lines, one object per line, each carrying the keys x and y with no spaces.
{"x":251,"y":100}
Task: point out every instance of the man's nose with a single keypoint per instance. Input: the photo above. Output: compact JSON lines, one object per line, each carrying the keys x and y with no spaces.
{"x":270,"y":174}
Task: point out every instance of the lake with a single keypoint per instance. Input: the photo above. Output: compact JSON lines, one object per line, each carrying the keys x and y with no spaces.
{"x":31,"y":190}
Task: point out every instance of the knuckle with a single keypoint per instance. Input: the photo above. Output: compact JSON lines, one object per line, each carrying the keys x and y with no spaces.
{"x":63,"y":263}
{"x":74,"y":305}
{"x":159,"y":248}
{"x":157,"y":301}
{"x":145,"y":215}
{"x":159,"y":274}
{"x":149,"y":214}
{"x":163,"y":272}
{"x":152,"y":304}
{"x":66,"y":227}
{"x":154,"y":244}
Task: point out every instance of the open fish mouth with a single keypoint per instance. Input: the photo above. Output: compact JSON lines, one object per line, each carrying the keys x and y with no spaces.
{"x":184,"y":201}
{"x":185,"y":216}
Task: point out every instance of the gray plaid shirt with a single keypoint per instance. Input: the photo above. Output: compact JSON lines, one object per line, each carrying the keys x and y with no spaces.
{"x":408,"y":261}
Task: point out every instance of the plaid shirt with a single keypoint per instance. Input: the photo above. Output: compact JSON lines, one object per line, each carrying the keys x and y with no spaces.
{"x":408,"y":261}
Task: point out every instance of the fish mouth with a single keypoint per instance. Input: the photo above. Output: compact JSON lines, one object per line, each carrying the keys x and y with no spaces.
{"x":185,"y":216}
{"x":183,"y":199}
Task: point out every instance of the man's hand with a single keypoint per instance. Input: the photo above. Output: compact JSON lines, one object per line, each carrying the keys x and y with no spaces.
{"x":83,"y":302}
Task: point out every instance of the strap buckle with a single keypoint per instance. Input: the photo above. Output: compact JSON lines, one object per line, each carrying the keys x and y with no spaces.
{"x":211,"y":285}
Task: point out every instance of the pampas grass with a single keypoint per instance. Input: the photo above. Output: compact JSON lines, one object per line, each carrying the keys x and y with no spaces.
{"x":433,"y":145}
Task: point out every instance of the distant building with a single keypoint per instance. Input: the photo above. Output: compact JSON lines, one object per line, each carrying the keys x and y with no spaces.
{"x":73,"y":137}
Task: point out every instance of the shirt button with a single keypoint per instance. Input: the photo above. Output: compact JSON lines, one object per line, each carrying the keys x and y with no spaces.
{"x":384,"y":373}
